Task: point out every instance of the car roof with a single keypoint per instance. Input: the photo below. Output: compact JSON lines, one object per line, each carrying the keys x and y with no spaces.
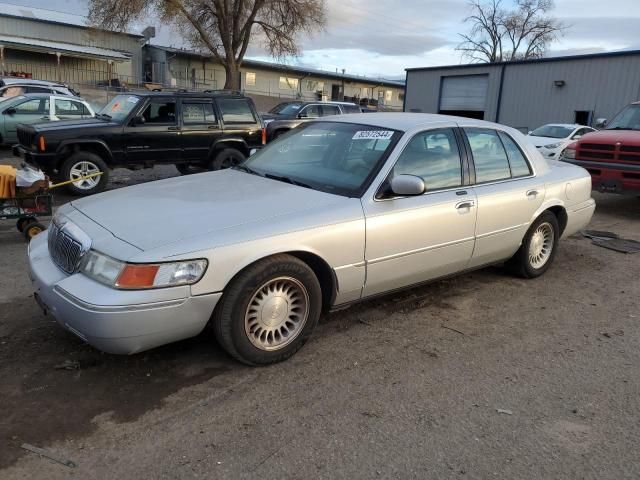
{"x":404,"y":121}
{"x":568,"y":125}
{"x":316,"y":102}
{"x":28,"y":81}
{"x":212,"y":93}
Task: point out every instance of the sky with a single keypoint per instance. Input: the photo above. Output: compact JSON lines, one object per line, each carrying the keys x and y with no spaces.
{"x":382,"y":38}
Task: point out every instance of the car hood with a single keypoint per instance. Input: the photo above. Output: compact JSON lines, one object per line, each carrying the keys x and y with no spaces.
{"x":625,"y":137}
{"x":74,"y":124}
{"x":165,"y":212}
{"x":541,"y":141}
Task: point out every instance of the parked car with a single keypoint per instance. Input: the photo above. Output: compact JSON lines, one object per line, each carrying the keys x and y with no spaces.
{"x":14,"y":86}
{"x":288,"y":115}
{"x":137,"y":130}
{"x":612,"y":155}
{"x":38,"y":108}
{"x":335,"y":212}
{"x":553,"y":138}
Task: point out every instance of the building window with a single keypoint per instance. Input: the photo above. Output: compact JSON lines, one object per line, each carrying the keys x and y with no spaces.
{"x":288,"y":83}
{"x":250,"y":79}
{"x":315,"y":86}
{"x":388,"y":95}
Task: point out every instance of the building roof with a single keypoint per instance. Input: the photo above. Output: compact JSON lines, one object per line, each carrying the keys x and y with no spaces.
{"x":67,"y":49}
{"x":49,"y":16}
{"x":535,"y":60}
{"x":290,"y":68}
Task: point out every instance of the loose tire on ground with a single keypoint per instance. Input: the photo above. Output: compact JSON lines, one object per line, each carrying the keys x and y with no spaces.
{"x":33,"y":229}
{"x":226,"y":158}
{"x":538,"y":249}
{"x":81,"y":164}
{"x":23,"y":222}
{"x":268,"y":311}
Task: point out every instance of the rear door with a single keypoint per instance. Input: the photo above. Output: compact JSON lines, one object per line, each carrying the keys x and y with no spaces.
{"x":328,"y":110}
{"x":200,"y":128}
{"x":507,"y":190}
{"x":157,"y":140}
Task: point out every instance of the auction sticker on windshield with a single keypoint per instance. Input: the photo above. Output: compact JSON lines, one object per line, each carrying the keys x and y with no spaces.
{"x":373,"y":135}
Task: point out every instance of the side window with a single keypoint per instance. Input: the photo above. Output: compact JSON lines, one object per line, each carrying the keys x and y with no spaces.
{"x":69,"y":107}
{"x":311,"y":111}
{"x":489,"y":155}
{"x":517,"y":160}
{"x":434,"y":156}
{"x":198,"y":113}
{"x":13,"y":92}
{"x":38,"y":90}
{"x":236,"y":110}
{"x":330,"y":110}
{"x":351,"y":109}
{"x":160,"y":111}
{"x":582,"y":132}
{"x":33,"y":107}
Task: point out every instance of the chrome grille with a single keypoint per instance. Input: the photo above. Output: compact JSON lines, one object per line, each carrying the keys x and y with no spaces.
{"x":26,"y":137}
{"x":65,"y":251}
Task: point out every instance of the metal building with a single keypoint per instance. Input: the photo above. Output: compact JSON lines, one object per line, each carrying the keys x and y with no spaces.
{"x":529,"y":93}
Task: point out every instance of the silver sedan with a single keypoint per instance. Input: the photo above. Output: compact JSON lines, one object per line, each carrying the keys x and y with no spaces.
{"x":335,"y":212}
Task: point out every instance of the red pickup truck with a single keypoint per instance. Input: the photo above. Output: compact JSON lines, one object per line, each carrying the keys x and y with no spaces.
{"x":612,"y":155}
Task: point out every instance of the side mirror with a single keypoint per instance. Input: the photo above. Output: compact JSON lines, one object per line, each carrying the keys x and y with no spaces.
{"x":10,"y":111}
{"x":138,"y":120}
{"x":407,"y":185}
{"x":601,"y":122}
{"x":252,"y":151}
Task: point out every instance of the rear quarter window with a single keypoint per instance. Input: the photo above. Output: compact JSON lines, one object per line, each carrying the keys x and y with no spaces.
{"x":236,"y":110}
{"x":351,"y":109}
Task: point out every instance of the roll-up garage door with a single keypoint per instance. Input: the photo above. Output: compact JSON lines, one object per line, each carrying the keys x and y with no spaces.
{"x":462,"y":94}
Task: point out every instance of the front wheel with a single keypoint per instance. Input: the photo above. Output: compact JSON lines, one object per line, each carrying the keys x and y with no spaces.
{"x":227,"y":158}
{"x":86,"y":171}
{"x":538,"y":249}
{"x":268,"y":311}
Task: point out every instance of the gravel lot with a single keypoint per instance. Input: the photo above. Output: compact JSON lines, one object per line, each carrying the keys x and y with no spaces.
{"x":481,"y":376}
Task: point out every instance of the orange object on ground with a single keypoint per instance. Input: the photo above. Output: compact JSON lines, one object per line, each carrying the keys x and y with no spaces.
{"x":7,"y":181}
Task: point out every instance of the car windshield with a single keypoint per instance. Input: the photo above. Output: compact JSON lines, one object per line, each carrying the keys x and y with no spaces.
{"x":552,"y":131}
{"x":332,"y":157}
{"x":120,"y":107}
{"x":286,"y":108}
{"x":627,"y":119}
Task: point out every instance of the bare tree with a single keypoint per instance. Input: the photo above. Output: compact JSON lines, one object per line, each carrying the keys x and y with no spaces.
{"x":224,"y":27}
{"x":498,"y":34}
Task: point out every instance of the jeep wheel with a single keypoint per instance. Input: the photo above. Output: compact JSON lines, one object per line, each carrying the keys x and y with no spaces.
{"x":227,"y":158}
{"x":81,"y":165}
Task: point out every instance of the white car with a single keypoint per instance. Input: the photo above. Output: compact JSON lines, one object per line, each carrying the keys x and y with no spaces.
{"x":553,"y":138}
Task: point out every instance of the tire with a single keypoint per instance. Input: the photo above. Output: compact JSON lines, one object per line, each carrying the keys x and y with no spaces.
{"x":80,"y":164}
{"x":538,"y":249}
{"x":289,"y":291}
{"x":22,"y":223}
{"x":32,"y":229}
{"x":227,"y":158}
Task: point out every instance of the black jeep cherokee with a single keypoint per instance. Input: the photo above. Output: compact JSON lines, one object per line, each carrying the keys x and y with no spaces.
{"x":211,"y":130}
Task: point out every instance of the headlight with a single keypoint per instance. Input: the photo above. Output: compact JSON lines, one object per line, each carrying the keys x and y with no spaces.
{"x":115,"y":273}
{"x":553,"y":145}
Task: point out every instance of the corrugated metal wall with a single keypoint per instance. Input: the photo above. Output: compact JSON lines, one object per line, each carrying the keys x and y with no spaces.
{"x":530,"y":98}
{"x":78,"y":36}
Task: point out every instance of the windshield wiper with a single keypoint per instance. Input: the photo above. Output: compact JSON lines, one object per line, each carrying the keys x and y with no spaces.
{"x":103,"y":115}
{"x":288,"y":180}
{"x":244,"y":168}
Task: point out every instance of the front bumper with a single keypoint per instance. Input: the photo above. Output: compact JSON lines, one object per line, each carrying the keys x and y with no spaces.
{"x":44,"y":161}
{"x":116,"y":321}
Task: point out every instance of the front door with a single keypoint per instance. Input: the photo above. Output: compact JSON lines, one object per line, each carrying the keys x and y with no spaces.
{"x":200,"y":128}
{"x":28,"y":111}
{"x":507,"y":191}
{"x":157,"y":140}
{"x":413,"y":239}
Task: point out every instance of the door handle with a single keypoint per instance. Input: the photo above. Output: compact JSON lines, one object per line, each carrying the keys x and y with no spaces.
{"x":532,"y":193}
{"x":465,"y":204}
{"x":173,"y":128}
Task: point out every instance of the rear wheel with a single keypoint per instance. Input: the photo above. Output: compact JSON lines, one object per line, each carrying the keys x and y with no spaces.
{"x":538,"y":248}
{"x":227,"y":158}
{"x":33,"y":229}
{"x":268,"y":311}
{"x":81,"y":165}
{"x":188,"y":169}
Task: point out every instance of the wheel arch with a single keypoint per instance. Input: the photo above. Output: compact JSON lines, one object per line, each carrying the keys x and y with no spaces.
{"x":558,"y":209}
{"x":66,"y":149}
{"x":230,"y":142}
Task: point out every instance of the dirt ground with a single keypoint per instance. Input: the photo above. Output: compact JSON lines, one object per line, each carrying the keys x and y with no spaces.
{"x":481,"y":376}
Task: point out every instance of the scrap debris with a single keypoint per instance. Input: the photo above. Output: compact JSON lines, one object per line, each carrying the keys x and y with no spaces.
{"x":44,"y":453}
